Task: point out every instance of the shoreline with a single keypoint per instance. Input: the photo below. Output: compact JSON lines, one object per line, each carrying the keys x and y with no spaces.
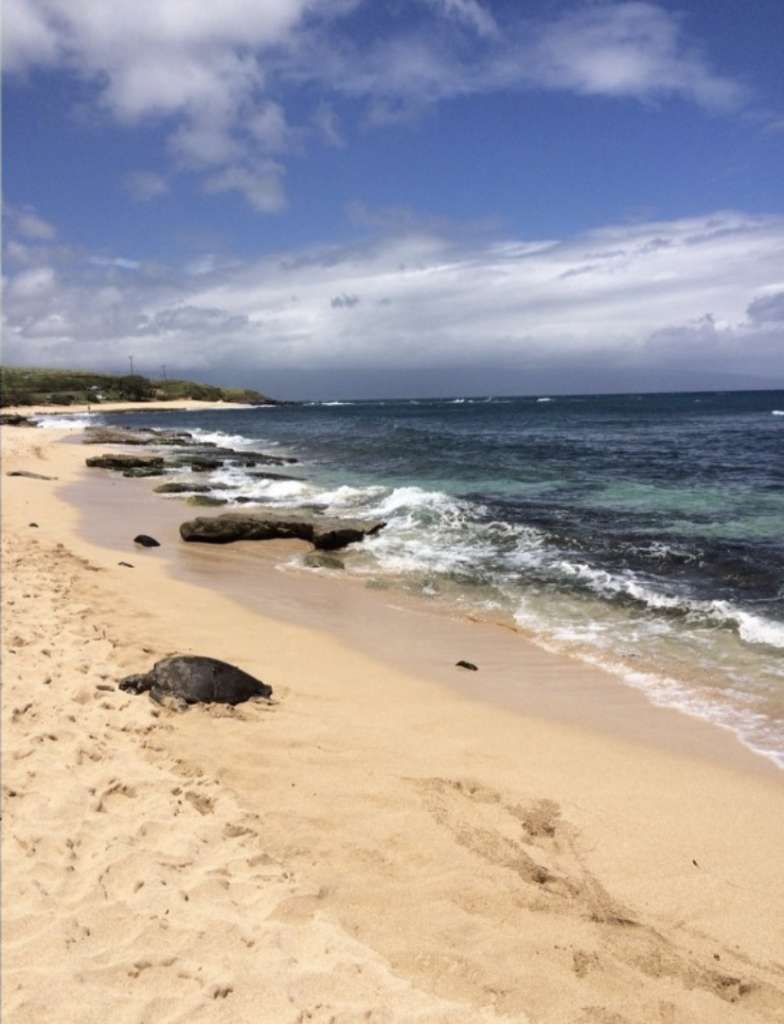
{"x":97,"y":408}
{"x":373,"y":842}
{"x":407,"y":632}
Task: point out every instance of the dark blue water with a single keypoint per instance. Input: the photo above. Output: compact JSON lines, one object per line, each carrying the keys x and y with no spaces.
{"x":645,"y":532}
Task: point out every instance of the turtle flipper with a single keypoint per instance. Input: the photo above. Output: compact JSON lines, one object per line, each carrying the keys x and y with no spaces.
{"x":167,"y":699}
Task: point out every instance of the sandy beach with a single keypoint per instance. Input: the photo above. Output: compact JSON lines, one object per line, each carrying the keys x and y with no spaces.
{"x":386,"y":841}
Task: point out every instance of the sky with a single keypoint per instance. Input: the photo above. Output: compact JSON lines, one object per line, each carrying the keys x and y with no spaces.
{"x":378,"y":198}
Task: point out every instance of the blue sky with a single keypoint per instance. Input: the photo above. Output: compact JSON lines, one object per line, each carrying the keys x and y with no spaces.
{"x":363,"y":198}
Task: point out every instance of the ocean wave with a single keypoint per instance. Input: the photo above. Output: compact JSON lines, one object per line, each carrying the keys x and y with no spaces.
{"x":223,"y":439}
{"x":544,"y":400}
{"x":66,"y":421}
{"x":592,"y":644}
{"x":751,"y":628}
{"x":778,"y":412}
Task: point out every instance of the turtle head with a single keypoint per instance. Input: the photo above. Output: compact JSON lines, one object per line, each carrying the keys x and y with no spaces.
{"x":135,"y":684}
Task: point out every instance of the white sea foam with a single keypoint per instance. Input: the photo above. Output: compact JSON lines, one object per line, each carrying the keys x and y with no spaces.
{"x":544,"y":400}
{"x":752,"y":629}
{"x":778,"y":412}
{"x":223,"y":439}
{"x":592,"y":644}
{"x":77,"y":421}
{"x":347,"y":497}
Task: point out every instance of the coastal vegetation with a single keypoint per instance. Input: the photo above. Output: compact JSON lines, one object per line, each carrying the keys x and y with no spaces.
{"x":35,"y":386}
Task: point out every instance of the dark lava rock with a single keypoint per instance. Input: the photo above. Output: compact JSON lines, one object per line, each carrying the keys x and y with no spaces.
{"x":13,"y":419}
{"x":203,"y":465}
{"x":33,"y":524}
{"x":30,"y":476}
{"x":141,"y":471}
{"x":260,"y":475}
{"x":122,"y":461}
{"x":144,"y":541}
{"x":466,"y":664}
{"x":206,"y":499}
{"x":191,"y":679}
{"x":270,"y":524}
{"x":122,"y":435}
{"x":248,"y":458}
{"x":177,"y":487}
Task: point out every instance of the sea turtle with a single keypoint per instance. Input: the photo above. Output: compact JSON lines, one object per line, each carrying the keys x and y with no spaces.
{"x":191,"y":679}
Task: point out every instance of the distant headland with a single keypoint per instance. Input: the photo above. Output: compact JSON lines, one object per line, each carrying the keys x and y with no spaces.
{"x":23,"y":386}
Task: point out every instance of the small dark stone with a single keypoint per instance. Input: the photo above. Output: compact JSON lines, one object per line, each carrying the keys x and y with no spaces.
{"x":466,"y":664}
{"x":33,"y":524}
{"x":143,"y":540}
{"x":126,"y":564}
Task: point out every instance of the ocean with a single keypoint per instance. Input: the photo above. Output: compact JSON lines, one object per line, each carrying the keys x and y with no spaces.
{"x":643,"y":533}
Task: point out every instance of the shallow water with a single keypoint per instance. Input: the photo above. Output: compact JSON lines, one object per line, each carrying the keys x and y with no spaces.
{"x":641,"y":532}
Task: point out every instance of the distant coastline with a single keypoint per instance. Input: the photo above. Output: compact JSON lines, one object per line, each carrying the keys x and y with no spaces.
{"x":22,"y":387}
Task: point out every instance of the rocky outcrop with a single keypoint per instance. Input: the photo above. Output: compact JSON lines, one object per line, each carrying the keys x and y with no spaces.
{"x":218,"y":455}
{"x":122,"y":435}
{"x":206,"y":500}
{"x":323,"y":532}
{"x":201,"y":465}
{"x":260,"y":475}
{"x":13,"y":419}
{"x":144,"y":471}
{"x":183,"y":487}
{"x":121,"y":461}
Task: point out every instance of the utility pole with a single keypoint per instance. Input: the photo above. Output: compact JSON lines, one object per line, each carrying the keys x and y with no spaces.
{"x":163,"y":371}
{"x":130,"y":363}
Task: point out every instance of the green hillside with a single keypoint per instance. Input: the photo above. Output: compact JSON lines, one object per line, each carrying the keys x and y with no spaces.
{"x":28,"y":386}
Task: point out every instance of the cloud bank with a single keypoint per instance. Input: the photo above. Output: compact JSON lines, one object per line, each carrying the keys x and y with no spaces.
{"x":691,"y":297}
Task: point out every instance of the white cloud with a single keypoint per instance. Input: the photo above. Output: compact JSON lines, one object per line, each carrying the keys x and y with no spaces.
{"x":688,"y":295}
{"x":471,"y":13}
{"x":221,"y":74}
{"x":628,"y":49}
{"x":32,"y":283}
{"x":268,"y":126}
{"x":114,"y":261}
{"x":31,"y":225}
{"x":145,"y":185}
{"x":327,"y":124}
{"x":261,"y":185}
